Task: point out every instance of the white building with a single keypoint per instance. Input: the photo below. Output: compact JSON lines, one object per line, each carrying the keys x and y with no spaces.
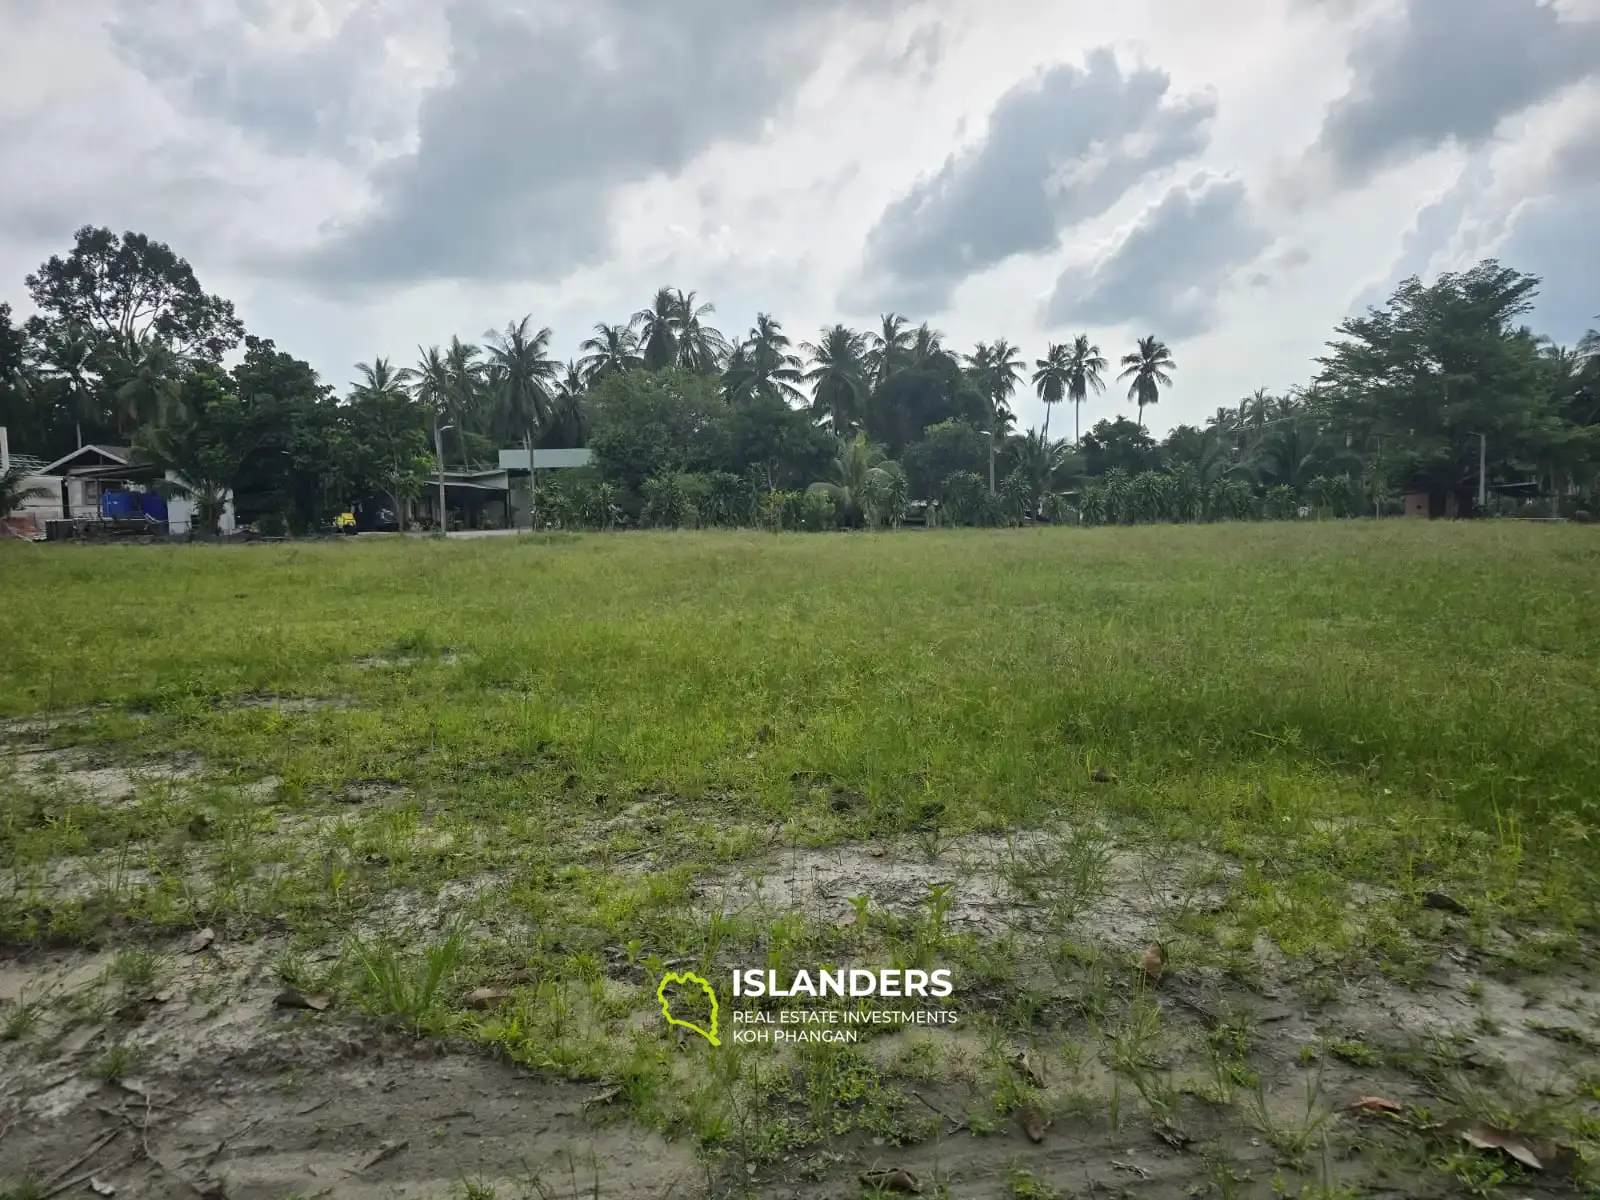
{"x":76,"y":486}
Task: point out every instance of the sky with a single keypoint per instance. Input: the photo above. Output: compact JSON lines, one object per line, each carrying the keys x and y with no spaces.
{"x":366,"y":177}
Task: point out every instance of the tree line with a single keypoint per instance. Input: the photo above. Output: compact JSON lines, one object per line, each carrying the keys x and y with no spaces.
{"x":688,"y":426}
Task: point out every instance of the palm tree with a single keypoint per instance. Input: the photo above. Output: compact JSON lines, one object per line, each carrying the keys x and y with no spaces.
{"x":13,"y":493}
{"x":521,"y":371}
{"x":995,"y":370}
{"x":889,"y":348}
{"x":1084,"y":367}
{"x":861,"y":474}
{"x":701,"y":348}
{"x":463,"y":390}
{"x":768,"y":366}
{"x":1050,"y":379}
{"x":144,"y":382}
{"x":68,"y":362}
{"x":379,"y":378}
{"x":430,"y":380}
{"x":837,"y":377}
{"x":927,"y":347}
{"x":1150,"y":368}
{"x":658,"y":336}
{"x":612,"y":350}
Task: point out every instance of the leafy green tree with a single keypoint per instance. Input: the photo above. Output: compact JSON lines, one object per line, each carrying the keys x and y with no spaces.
{"x":123,"y":290}
{"x":945,"y":448}
{"x":205,"y":440}
{"x":1434,"y":367}
{"x":1117,"y":444}
{"x":299,"y":470}
{"x":1150,"y":369}
{"x":387,"y":438}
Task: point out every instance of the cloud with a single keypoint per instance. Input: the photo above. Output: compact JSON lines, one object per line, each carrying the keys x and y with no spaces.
{"x":1165,"y":272}
{"x":1449,"y":71}
{"x":548,"y":110}
{"x":295,"y":77}
{"x":1060,"y":148}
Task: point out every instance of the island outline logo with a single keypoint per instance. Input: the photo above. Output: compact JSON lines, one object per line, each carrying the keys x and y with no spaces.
{"x":686,"y":978}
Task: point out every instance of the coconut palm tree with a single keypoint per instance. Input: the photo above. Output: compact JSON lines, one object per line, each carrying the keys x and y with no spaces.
{"x":927,"y":347}
{"x":1150,"y":368}
{"x":889,"y":348}
{"x":143,"y":382}
{"x":658,"y":329}
{"x":612,"y":350}
{"x":463,"y":391}
{"x":379,"y":378}
{"x":430,"y":380}
{"x":14,"y":493}
{"x":862,"y":473}
{"x":521,"y":372}
{"x":700,"y":347}
{"x":995,"y":370}
{"x":1084,"y":375}
{"x":1050,"y":379}
{"x":838,"y":377}
{"x":767,"y":366}
{"x":67,"y":361}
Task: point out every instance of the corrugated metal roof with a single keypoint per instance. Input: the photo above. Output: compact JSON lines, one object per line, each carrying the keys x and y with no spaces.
{"x":27,"y":464}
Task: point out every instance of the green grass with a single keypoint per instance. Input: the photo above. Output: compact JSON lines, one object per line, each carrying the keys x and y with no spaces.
{"x":1302,"y":728}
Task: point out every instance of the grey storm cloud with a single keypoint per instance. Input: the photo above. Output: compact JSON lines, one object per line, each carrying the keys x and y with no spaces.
{"x":1060,"y":148}
{"x":1164,"y":274}
{"x":318,"y":98}
{"x":1449,"y":71}
{"x":1557,"y":238}
{"x":548,"y":110}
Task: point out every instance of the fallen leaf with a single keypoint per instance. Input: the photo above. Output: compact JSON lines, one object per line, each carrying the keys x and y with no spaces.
{"x":101,"y":1188}
{"x":200,"y":941}
{"x":1033,"y":1122}
{"x":1533,"y":1153}
{"x":605,"y":1097}
{"x":385,"y":1150}
{"x":1374,"y":1104}
{"x":1443,"y":902}
{"x":1154,"y":961}
{"x":1171,"y":1135}
{"x":896,"y":1179}
{"x":295,"y":998}
{"x":488,"y":997}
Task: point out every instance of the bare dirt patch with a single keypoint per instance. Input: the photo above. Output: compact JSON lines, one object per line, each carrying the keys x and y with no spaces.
{"x":76,"y":773}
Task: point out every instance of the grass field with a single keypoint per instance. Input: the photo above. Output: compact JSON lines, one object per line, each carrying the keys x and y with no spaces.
{"x":485,"y":793}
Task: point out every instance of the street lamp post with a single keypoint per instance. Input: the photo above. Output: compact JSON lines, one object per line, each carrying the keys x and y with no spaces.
{"x":1483,"y":472}
{"x":438,"y":458}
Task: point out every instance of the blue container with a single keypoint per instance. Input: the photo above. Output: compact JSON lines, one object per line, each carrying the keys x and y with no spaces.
{"x":153,"y":505}
{"x":119,"y":504}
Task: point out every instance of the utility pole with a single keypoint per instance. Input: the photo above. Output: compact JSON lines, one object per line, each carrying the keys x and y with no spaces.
{"x":1483,"y":473}
{"x":438,"y":458}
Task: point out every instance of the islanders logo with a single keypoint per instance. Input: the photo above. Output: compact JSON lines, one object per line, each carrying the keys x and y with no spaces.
{"x":688,"y":978}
